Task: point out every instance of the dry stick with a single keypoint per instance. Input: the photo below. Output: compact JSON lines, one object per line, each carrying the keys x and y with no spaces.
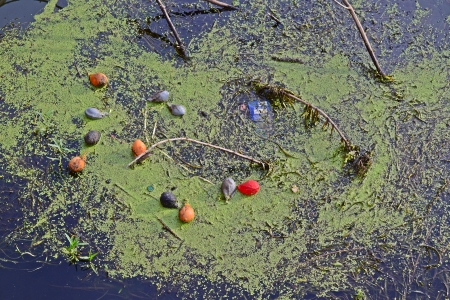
{"x":348,"y":145}
{"x":197,"y":142}
{"x":363,"y":35}
{"x":224,"y":5}
{"x":177,"y":37}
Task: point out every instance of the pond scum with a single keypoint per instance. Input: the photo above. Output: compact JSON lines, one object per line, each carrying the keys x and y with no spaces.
{"x":315,"y":227}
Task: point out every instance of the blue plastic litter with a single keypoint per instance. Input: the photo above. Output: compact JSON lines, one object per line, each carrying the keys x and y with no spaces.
{"x":260,"y":110}
{"x":261,"y":114}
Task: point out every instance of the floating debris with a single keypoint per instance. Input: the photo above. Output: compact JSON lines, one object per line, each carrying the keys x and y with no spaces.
{"x":249,"y":187}
{"x":261,"y":113}
{"x":98,"y":80}
{"x":186,"y":213}
{"x":77,"y":163}
{"x":92,"y":137}
{"x":168,"y":200}
{"x":177,"y":110}
{"x":94,"y":114}
{"x":161,"y":96}
{"x":138,"y":147}
{"x":228,"y":188}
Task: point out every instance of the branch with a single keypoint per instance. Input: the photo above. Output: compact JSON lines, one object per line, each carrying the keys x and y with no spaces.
{"x":323,"y":114}
{"x":221,"y":4}
{"x":145,"y":154}
{"x":364,"y":36}
{"x":172,"y":27}
{"x":166,"y":227}
{"x":275,"y":92}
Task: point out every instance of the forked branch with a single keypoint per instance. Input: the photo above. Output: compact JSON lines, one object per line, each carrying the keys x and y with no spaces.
{"x":146,"y":153}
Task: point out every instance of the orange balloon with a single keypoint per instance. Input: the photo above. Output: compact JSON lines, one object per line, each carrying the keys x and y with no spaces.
{"x":186,"y":213}
{"x":138,"y":147}
{"x":98,"y":80}
{"x":77,"y":163}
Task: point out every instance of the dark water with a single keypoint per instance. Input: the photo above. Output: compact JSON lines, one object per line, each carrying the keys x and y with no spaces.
{"x":19,"y":11}
{"x":28,"y":277}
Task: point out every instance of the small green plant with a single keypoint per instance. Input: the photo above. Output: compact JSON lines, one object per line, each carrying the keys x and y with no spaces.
{"x":359,"y":295}
{"x":89,"y":259}
{"x":72,"y":251}
{"x":74,"y":255}
{"x":61,"y":151}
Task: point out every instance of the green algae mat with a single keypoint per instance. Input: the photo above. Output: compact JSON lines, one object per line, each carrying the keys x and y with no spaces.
{"x":314,"y":227}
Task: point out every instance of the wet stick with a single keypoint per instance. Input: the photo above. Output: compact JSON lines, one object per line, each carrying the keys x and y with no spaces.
{"x":221,"y":4}
{"x":172,"y":27}
{"x":166,"y":227}
{"x":363,"y":35}
{"x":145,"y":154}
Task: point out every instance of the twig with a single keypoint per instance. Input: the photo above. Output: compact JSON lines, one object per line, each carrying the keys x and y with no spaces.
{"x":364,"y":36}
{"x":340,"y":4}
{"x":221,"y":4}
{"x":169,"y":229}
{"x":287,"y":59}
{"x":438,"y":254}
{"x":149,"y":149}
{"x":278,"y":91}
{"x":124,"y":190}
{"x":78,"y":71}
{"x":271,"y":15}
{"x":154,"y":130}
{"x":318,"y":257}
{"x":172,"y":27}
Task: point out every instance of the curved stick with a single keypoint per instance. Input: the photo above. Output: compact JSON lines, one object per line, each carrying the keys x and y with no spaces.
{"x":145,"y":154}
{"x":323,"y":114}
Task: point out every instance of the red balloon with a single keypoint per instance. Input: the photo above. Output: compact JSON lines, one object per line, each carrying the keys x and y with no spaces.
{"x":248,"y":188}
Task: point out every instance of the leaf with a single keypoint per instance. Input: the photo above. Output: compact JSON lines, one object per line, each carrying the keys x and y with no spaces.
{"x":68,"y":238}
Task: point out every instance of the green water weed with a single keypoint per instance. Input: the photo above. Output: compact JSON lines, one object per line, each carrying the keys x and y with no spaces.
{"x":61,"y":151}
{"x":72,"y":251}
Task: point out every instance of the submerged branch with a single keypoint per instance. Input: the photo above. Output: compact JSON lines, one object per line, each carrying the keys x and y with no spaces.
{"x":145,"y":154}
{"x":364,"y":37}
{"x":172,"y":27}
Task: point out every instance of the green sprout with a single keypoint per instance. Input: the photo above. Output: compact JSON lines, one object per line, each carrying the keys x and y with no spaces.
{"x":359,"y":295}
{"x":58,"y":146}
{"x":89,"y":259}
{"x":73,"y":253}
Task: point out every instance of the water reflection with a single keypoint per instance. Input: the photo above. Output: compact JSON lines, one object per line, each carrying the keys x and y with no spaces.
{"x":16,"y":11}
